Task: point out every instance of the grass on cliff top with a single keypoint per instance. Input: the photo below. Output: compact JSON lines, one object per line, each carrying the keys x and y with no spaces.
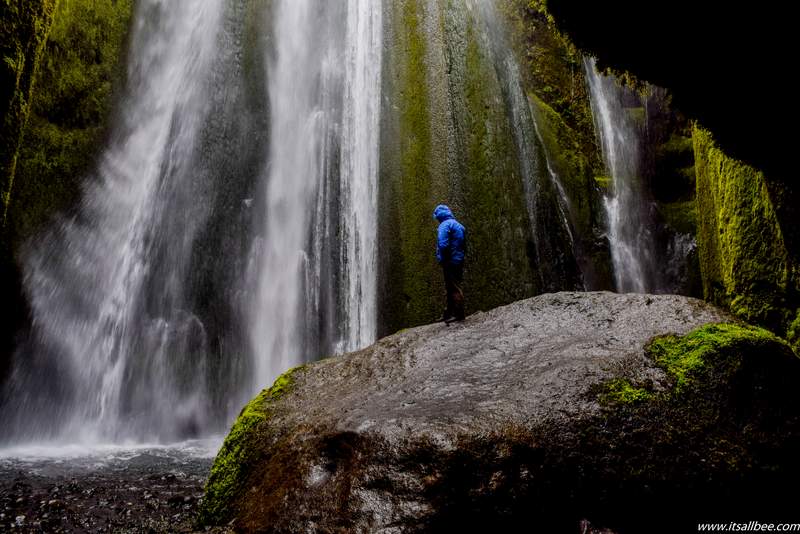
{"x":236,"y":455}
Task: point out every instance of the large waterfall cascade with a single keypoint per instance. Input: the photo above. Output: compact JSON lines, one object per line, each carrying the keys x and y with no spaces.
{"x":231,"y":229}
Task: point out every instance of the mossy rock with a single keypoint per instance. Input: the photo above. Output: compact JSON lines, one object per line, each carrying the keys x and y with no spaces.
{"x":793,"y":334}
{"x":24,"y":27}
{"x":687,"y":358}
{"x":558,"y":408}
{"x":240,"y":450}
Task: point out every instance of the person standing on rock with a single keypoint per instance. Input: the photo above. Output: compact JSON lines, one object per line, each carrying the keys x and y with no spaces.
{"x":451,"y":243}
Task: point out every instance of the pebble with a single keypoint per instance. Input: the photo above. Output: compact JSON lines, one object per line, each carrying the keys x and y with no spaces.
{"x":102,"y":499}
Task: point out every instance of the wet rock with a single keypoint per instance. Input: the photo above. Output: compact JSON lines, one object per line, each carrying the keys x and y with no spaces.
{"x":544,"y":413}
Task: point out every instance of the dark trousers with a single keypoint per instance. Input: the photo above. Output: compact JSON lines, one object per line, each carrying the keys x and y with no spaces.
{"x":453,"y":283}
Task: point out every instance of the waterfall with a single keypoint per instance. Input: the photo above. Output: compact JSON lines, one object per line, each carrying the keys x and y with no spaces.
{"x":115,"y":348}
{"x":230,"y":228}
{"x":628,"y":207}
{"x":360,"y":160}
{"x":313,"y":298}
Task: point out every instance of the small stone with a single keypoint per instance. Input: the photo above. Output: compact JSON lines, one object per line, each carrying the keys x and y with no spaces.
{"x":19,"y":520}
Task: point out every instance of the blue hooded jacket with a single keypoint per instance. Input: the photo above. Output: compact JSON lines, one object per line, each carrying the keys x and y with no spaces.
{"x":451,"y":237}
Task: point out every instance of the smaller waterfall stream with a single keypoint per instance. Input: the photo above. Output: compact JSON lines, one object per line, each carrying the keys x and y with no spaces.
{"x":628,"y":207}
{"x":534,"y":161}
{"x":359,"y":156}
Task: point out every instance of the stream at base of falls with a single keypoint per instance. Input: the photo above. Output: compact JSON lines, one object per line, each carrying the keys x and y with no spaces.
{"x":104,"y":489}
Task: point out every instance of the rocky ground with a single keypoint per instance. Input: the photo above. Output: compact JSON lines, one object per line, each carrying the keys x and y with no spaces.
{"x":136,"y":491}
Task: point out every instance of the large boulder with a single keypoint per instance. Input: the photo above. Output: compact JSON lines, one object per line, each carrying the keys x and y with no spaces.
{"x":621,"y":409}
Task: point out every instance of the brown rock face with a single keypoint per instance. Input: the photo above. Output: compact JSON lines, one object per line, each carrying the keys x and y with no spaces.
{"x":535,"y":415}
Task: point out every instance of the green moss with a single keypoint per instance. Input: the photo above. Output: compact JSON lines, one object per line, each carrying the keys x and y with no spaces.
{"x":72,"y":100}
{"x":680,"y":216}
{"x":238,"y":453}
{"x":604,"y":182}
{"x":621,"y":391}
{"x":24,"y":27}
{"x":696,"y":358}
{"x":495,"y":212}
{"x":743,"y":257}
{"x":415,"y":177}
{"x":552,"y":67}
{"x":793,"y":333}
{"x":677,"y":144}
{"x":570,"y":162}
{"x":685,"y":357}
{"x":583,"y":179}
{"x":638,"y":116}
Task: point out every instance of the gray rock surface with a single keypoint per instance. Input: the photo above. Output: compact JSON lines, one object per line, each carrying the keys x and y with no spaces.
{"x":497,"y":422}
{"x":523,"y":363}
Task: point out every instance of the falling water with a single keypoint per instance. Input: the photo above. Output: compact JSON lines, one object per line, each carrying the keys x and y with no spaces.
{"x":628,"y":208}
{"x":312,"y":299}
{"x":116,"y":352}
{"x":360,"y":138}
{"x":557,"y":268}
{"x":229,"y":231}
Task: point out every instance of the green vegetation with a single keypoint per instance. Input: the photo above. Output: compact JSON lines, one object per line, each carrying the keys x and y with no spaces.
{"x":699,"y":358}
{"x":552,"y":68}
{"x":495,"y":216}
{"x":744,"y":259}
{"x":72,"y":100}
{"x":680,"y":216}
{"x":415,"y":179}
{"x":239,"y":452}
{"x":23,"y":31}
{"x":574,"y":167}
{"x":793,"y":334}
{"x":684,"y":357}
{"x":621,"y":391}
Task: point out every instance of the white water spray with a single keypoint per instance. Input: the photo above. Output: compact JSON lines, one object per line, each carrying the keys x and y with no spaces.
{"x":627,"y":208}
{"x":125,"y":364}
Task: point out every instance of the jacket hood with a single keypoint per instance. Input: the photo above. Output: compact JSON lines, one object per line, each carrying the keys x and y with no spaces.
{"x":442,"y":213}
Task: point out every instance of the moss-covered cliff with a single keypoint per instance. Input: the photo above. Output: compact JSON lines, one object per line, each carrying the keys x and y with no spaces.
{"x":69,"y":108}
{"x":446,"y":138}
{"x":746,"y":264}
{"x":24,"y":27}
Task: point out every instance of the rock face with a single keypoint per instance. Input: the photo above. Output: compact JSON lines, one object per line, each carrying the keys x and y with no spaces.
{"x":540,"y":413}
